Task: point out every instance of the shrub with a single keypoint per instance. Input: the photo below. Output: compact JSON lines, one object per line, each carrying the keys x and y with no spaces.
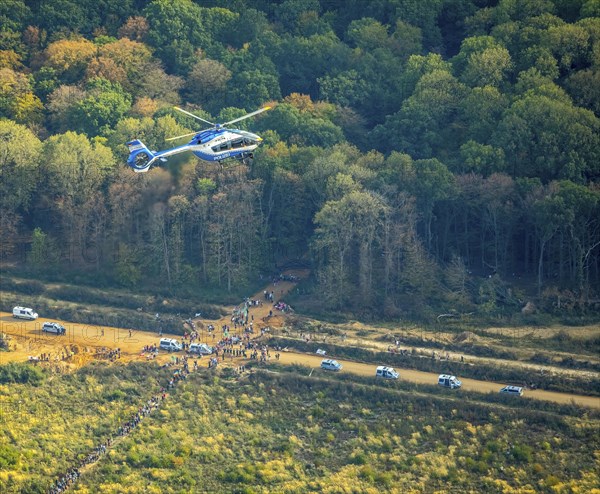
{"x":21,"y":374}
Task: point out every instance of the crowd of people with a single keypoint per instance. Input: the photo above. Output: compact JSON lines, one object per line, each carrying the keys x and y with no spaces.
{"x":111,"y":354}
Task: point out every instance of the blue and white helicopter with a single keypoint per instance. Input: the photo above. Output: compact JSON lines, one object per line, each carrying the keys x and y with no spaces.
{"x":217,"y":143}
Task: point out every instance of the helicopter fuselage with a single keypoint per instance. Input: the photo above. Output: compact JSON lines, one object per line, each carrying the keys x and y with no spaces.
{"x":221,"y":144}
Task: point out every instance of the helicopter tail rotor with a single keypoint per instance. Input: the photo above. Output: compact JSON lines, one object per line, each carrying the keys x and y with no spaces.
{"x":140,"y":157}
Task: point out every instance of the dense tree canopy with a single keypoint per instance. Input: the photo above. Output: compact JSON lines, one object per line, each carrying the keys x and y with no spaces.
{"x":409,"y":142}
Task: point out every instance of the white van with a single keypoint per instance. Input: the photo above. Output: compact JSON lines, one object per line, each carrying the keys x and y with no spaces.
{"x":449,"y":381}
{"x":332,"y":365}
{"x":386,"y":372}
{"x":200,"y":349}
{"x":170,"y":345}
{"x":24,"y":313}
{"x":53,"y":327}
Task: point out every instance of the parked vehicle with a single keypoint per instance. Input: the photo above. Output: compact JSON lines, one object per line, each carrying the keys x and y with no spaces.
{"x":24,"y":313}
{"x":53,"y":327}
{"x":512,"y":390}
{"x":386,"y":372}
{"x":449,"y":381}
{"x":200,"y":349}
{"x":332,"y":365}
{"x":170,"y":345}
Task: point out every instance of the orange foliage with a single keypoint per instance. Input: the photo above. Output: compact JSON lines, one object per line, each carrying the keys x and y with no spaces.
{"x":300,"y":101}
{"x":67,"y":54}
{"x":105,"y":68}
{"x":144,"y":107}
{"x":126,"y":53}
{"x":135,"y":28}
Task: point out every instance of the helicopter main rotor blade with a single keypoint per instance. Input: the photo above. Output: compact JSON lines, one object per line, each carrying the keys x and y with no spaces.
{"x":179,"y":137}
{"x":245,"y":133}
{"x":248,"y":115}
{"x":192,"y":115}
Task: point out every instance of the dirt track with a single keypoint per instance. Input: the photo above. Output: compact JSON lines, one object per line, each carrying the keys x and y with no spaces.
{"x":27,"y":340}
{"x":430,"y":378}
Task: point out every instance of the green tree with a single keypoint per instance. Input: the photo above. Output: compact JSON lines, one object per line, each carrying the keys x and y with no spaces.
{"x":301,"y":127}
{"x":406,"y":40}
{"x":20,"y":156}
{"x":569,"y":44}
{"x":206,"y":83}
{"x":367,"y":34}
{"x":433,"y":183}
{"x":17,"y":100}
{"x":104,"y":105}
{"x":482,"y":159}
{"x":345,"y":89}
{"x":584,"y":88}
{"x":548,"y":215}
{"x":488,"y":67}
{"x":480,"y":112}
{"x":582,"y":232}
{"x":549,"y":138}
{"x":333,"y":236}
{"x":301,"y":61}
{"x":127,"y":270}
{"x":423,"y":127}
{"x":178,"y":28}
{"x":14,"y":14}
{"x":75,"y":170}
{"x":252,"y":88}
{"x":43,"y":255}
{"x":295,"y":15}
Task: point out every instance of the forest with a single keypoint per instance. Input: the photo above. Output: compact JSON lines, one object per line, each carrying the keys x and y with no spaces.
{"x":419,"y":155}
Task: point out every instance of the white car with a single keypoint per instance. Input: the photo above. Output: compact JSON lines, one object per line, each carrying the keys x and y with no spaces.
{"x":512,"y":390}
{"x":386,"y":372}
{"x":53,"y":327}
{"x":332,"y":365}
{"x":200,"y":349}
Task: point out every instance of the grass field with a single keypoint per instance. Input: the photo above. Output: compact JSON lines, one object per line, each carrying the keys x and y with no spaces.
{"x":282,"y":432}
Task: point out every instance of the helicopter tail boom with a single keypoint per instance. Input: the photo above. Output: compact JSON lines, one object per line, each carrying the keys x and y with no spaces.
{"x":140,"y":157}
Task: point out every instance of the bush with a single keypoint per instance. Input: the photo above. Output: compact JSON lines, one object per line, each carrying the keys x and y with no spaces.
{"x":30,"y":287}
{"x":21,"y":373}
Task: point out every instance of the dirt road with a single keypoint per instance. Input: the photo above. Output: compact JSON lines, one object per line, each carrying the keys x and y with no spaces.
{"x":85,"y":342}
{"x":30,"y":341}
{"x":420,"y":377}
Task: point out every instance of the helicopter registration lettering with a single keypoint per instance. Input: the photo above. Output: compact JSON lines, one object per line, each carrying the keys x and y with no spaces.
{"x":219,"y":157}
